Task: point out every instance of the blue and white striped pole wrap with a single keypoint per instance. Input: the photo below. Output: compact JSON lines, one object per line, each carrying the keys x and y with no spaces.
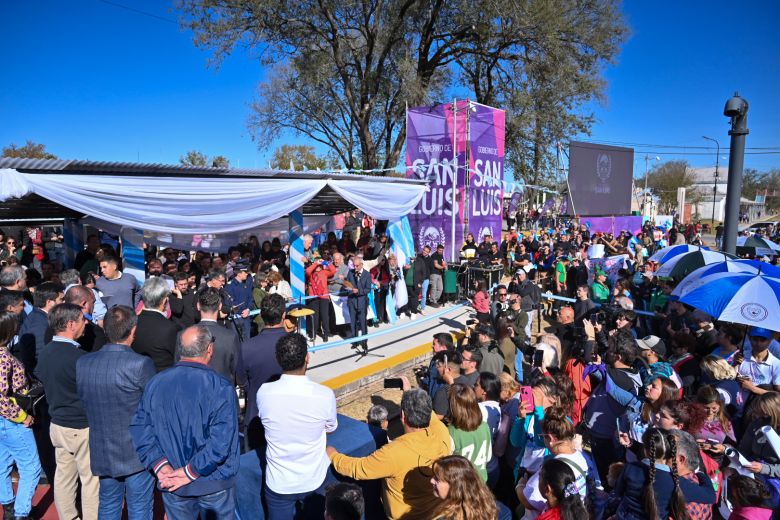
{"x":297,"y":272}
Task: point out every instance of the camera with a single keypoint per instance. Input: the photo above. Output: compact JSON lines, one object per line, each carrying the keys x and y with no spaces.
{"x":325,"y":263}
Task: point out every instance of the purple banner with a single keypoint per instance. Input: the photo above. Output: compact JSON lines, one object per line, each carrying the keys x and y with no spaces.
{"x":486,"y":171}
{"x":612,"y":225}
{"x":430,"y":155}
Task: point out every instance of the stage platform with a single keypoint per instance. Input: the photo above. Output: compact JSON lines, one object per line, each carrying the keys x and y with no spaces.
{"x":406,"y":343}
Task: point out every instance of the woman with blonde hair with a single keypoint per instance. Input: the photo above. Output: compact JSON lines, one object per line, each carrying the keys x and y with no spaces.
{"x":510,"y":401}
{"x":718,"y":373}
{"x":463,"y":494}
{"x":278,"y":285}
{"x":471,"y":436}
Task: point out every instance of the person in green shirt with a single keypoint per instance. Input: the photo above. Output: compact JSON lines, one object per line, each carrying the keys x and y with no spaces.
{"x":599,"y":291}
{"x":561,"y":266}
{"x":469,"y":432}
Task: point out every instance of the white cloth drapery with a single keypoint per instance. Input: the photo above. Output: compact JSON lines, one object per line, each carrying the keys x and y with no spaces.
{"x":188,"y":205}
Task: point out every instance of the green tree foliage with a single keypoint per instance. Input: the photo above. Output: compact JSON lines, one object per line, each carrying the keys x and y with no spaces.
{"x":664,"y":180}
{"x":30,"y":150}
{"x":302,"y":157}
{"x":342,"y":73}
{"x":766,"y":183}
{"x":196,"y":158}
{"x":220,"y":161}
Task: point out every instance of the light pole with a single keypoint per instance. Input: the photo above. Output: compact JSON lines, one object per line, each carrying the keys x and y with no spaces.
{"x":736,"y":109}
{"x":647,"y":174}
{"x":714,"y":188}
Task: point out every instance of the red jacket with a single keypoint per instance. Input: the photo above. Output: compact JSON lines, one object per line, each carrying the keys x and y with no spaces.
{"x":318,"y":279}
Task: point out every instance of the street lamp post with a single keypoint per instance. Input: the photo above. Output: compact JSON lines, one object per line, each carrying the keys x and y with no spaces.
{"x":714,"y":188}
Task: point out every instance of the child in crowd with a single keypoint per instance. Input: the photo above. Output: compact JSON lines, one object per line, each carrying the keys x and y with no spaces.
{"x":559,"y":487}
{"x":653,"y":488}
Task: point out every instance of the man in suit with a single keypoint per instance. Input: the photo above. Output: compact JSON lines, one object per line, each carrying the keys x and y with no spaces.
{"x":35,"y":331}
{"x":227,"y":349}
{"x":93,"y":337}
{"x":156,"y":334}
{"x":184,"y":310}
{"x":69,"y":429}
{"x":360,"y":280}
{"x":259,"y":364}
{"x":110,"y":384}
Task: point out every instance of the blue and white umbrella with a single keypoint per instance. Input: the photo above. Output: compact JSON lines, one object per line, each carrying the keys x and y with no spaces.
{"x":664,"y":255}
{"x":694,"y":279}
{"x":749,"y":299}
{"x":757,"y":245}
{"x":680,"y":266}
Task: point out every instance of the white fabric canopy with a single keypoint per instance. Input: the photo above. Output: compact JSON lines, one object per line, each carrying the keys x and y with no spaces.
{"x":218,"y":242}
{"x":186,"y":205}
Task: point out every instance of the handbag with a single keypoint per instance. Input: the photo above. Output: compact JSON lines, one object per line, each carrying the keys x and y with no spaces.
{"x":29,"y":400}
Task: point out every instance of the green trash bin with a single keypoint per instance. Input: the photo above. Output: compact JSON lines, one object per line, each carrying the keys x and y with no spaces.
{"x":450,"y":284}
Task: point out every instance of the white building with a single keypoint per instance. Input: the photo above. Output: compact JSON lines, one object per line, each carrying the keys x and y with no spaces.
{"x":705,"y":186}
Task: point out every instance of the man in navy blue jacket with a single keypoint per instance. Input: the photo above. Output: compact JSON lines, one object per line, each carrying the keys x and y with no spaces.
{"x":186,"y":432}
{"x":240,"y":291}
{"x":360,"y":280}
{"x":110,"y":384}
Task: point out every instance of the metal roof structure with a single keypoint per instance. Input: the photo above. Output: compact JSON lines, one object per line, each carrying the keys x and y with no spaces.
{"x":33,"y":207}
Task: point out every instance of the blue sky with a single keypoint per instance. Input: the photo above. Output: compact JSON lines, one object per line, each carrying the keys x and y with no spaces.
{"x":95,"y":81}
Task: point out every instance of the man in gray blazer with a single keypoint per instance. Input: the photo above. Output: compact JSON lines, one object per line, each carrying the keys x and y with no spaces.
{"x":110,"y":383}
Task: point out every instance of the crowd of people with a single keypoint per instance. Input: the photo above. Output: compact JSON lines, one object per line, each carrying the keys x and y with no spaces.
{"x":111,"y":389}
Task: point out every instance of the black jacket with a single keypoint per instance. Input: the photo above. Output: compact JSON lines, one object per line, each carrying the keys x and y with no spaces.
{"x":227,"y":352}
{"x":421,"y":269}
{"x":184,"y":311}
{"x":155,"y":336}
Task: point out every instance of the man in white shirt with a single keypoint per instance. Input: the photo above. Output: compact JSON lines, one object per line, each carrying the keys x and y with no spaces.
{"x":759,"y":373}
{"x":296,"y":413}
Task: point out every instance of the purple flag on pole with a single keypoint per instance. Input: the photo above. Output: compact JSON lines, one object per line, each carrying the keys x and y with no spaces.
{"x":429,"y":156}
{"x":486,"y":170}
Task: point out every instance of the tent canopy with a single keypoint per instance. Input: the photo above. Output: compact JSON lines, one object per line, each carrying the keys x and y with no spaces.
{"x":192,"y":200}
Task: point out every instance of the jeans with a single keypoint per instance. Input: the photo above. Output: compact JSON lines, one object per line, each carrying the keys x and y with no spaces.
{"x":216,"y":506}
{"x":17,"y":445}
{"x":139,"y":489}
{"x":295,"y":506}
{"x":424,"y":297}
{"x":437,"y":288}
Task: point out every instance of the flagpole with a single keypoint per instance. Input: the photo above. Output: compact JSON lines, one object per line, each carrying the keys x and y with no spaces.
{"x":455,"y":174}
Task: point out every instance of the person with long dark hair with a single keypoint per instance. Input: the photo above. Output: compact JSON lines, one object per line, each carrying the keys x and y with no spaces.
{"x":559,"y":487}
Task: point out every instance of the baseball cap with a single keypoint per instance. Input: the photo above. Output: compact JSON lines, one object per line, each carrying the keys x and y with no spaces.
{"x":241,"y":266}
{"x":653,"y":343}
{"x":760,"y":332}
